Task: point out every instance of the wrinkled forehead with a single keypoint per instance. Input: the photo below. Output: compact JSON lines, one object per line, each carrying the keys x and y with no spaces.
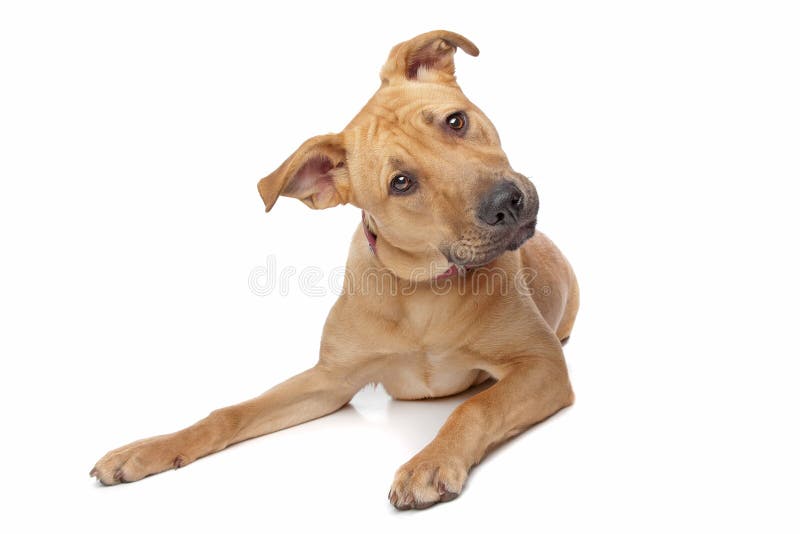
{"x":418,"y":111}
{"x":410,"y":102}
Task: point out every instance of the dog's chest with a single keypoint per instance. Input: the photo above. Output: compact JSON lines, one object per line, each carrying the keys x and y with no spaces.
{"x":434,"y":364}
{"x":427,"y":374}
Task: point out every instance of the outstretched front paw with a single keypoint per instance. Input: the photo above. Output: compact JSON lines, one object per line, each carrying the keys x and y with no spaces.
{"x":138,"y":460}
{"x":426,"y":480}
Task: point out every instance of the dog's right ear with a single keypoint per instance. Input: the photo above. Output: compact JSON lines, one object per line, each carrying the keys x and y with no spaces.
{"x":316,"y":174}
{"x":429,"y":55}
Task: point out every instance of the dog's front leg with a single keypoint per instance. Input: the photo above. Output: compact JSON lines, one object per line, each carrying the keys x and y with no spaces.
{"x":311,"y":394}
{"x":528,"y":391}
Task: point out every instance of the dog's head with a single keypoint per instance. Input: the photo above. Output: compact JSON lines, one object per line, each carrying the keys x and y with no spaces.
{"x":423,"y":162}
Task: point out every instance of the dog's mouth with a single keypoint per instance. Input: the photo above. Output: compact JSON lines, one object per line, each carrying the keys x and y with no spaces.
{"x":523,"y":233}
{"x":472,"y":252}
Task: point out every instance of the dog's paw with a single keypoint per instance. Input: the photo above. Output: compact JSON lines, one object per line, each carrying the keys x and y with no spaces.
{"x":425,"y":481}
{"x":139,"y":459}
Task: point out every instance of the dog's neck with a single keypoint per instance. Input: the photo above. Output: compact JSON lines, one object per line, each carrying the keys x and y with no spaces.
{"x":369,"y":232}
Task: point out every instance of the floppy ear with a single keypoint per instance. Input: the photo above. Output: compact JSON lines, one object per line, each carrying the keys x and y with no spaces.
{"x":429,"y":54}
{"x":316,"y":174}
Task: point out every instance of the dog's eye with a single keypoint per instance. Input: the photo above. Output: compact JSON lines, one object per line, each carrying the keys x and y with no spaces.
{"x":457,"y":121}
{"x":402,"y":184}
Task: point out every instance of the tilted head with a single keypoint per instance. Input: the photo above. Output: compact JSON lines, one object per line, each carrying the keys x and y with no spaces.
{"x":425,"y":165}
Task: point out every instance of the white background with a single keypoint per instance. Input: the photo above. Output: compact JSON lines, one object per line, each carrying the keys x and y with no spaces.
{"x":663,"y":138}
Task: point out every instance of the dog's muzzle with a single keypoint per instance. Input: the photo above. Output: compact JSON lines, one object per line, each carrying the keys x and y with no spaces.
{"x":505,"y":219}
{"x":509,"y":213}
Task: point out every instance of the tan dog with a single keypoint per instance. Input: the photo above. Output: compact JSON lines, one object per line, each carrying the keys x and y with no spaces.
{"x":445,"y":287}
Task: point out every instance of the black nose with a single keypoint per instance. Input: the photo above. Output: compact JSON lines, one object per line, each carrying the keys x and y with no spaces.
{"x":501,"y":205}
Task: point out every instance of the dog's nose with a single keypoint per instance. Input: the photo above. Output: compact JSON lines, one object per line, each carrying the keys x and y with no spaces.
{"x":501,"y":205}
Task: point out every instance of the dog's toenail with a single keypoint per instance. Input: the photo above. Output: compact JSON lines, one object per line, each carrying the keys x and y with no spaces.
{"x":448,"y":496}
{"x":93,"y":472}
{"x":177,"y":462}
{"x":119,"y":476}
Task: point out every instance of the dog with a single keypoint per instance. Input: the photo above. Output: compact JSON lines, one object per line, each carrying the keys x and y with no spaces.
{"x":472,"y":291}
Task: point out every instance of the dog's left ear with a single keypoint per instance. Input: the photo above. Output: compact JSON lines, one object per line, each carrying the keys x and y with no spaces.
{"x":429,"y":55}
{"x":316,"y":174}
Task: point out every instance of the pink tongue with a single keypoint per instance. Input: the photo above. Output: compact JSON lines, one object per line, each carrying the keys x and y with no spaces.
{"x":449,"y":272}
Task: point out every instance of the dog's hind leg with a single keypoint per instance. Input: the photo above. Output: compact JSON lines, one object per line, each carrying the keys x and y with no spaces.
{"x":311,"y":394}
